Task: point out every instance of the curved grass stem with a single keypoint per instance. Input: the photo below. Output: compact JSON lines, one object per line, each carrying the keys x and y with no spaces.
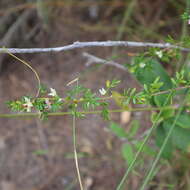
{"x":29,"y":66}
{"x":75,"y":152}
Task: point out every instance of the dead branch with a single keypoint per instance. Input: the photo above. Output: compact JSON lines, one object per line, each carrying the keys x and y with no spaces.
{"x":93,"y":59}
{"x":78,"y":44}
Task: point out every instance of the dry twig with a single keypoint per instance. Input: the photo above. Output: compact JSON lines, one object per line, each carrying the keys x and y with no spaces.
{"x":78,"y":44}
{"x":93,"y":59}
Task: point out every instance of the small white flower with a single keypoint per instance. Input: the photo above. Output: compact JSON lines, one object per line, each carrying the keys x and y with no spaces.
{"x":159,"y":54}
{"x":53,"y":92}
{"x":102,"y":91}
{"x":48,"y":103}
{"x":60,"y":100}
{"x":142,"y":65}
{"x":28,"y":104}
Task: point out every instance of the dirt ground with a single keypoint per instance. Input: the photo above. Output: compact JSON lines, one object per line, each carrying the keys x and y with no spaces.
{"x":101,"y":165}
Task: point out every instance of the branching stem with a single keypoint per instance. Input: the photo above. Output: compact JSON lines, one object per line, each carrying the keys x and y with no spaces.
{"x":88,"y":112}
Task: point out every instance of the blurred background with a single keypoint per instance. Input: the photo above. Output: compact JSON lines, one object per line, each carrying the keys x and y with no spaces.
{"x":36,"y":155}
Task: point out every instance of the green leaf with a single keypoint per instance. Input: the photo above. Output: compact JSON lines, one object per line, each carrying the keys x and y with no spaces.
{"x":163,"y":99}
{"x":160,"y":136}
{"x":146,"y":149}
{"x":75,"y":91}
{"x":180,"y":136}
{"x":119,"y":100}
{"x":127,"y":153}
{"x":114,"y":83}
{"x":43,"y":116}
{"x":167,"y":113}
{"x":185,"y":16}
{"x":40,"y":152}
{"x":183,"y":120}
{"x":43,"y":89}
{"x":105,"y":113}
{"x":117,"y":130}
{"x":155,"y":117}
{"x":134,"y":128}
{"x":151,"y":73}
{"x":15,"y":105}
{"x":79,"y":155}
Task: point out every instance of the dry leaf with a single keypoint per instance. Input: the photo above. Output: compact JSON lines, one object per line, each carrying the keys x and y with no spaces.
{"x":88,"y":181}
{"x":125,"y":117}
{"x":86,"y":146}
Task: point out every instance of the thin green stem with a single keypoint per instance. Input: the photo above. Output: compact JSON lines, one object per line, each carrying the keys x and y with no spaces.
{"x":184,"y":25}
{"x":131,"y":166}
{"x":75,"y":152}
{"x":15,"y":115}
{"x":150,"y":173}
{"x":88,"y":112}
{"x":173,"y":89}
{"x":184,"y":33}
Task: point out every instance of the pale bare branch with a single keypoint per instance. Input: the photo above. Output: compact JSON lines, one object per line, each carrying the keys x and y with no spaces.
{"x":91,"y":59}
{"x":78,"y":44}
